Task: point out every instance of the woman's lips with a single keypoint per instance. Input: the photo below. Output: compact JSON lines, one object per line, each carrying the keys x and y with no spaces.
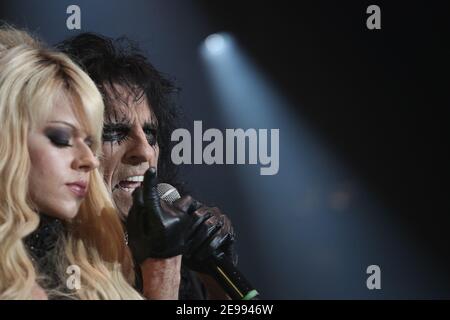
{"x":78,"y":188}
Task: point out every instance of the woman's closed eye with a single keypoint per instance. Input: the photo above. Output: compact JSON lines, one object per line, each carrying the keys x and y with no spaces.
{"x":59,"y":137}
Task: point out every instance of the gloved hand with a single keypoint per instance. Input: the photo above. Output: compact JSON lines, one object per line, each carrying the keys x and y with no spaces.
{"x":157,"y":229}
{"x":215,"y":236}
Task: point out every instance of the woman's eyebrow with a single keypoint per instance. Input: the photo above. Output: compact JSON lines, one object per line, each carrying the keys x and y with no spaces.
{"x":65,"y":123}
{"x":74,"y":128}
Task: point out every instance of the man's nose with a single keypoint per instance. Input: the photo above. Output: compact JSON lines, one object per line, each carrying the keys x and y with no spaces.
{"x":139,"y":150}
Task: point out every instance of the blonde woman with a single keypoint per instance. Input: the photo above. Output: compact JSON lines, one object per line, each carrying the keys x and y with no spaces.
{"x":55,"y":211}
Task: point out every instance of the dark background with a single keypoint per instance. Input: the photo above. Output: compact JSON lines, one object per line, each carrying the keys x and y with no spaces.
{"x":376,"y":101}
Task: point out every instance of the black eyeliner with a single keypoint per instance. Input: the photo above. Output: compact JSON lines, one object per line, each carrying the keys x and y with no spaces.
{"x":115,"y":132}
{"x":151,"y":131}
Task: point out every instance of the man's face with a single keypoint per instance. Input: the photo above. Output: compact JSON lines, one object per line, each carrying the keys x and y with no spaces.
{"x":129,"y":147}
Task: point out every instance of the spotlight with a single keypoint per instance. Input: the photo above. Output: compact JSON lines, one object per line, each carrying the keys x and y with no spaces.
{"x":216,"y":43}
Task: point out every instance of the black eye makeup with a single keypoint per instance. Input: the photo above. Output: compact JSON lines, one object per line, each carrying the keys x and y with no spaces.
{"x":116,"y":132}
{"x":120,"y":132}
{"x":151,"y":133}
{"x":60,"y":137}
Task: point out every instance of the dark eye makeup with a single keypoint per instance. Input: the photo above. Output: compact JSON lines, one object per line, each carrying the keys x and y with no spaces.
{"x":151,"y":134}
{"x":60,"y":137}
{"x":115,"y":132}
{"x":120,"y":132}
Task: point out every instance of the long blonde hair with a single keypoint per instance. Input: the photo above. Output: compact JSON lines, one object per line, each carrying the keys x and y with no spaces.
{"x":31,"y":77}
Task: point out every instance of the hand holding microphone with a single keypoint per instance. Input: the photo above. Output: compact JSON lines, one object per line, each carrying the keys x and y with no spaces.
{"x":177,"y":225}
{"x":155,"y":229}
{"x":182,"y":225}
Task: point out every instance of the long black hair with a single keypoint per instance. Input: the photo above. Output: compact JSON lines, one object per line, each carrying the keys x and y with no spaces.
{"x":121,"y":62}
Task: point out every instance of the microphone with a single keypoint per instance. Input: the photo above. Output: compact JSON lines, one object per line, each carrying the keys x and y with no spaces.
{"x":219,"y":266}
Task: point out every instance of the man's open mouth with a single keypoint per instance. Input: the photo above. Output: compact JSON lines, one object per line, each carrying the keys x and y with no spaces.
{"x":129,"y":184}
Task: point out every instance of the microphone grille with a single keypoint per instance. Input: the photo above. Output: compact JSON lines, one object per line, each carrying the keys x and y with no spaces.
{"x":167,"y":192}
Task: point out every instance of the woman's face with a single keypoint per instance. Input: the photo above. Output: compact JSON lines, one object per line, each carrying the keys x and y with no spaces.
{"x":61,"y":160}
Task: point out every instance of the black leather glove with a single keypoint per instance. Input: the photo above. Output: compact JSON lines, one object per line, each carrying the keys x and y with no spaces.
{"x":215,"y":236}
{"x":157,"y":229}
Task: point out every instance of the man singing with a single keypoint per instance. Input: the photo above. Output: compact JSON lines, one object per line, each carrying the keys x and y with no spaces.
{"x":139,"y":119}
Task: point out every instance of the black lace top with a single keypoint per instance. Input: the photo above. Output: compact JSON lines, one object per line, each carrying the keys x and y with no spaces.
{"x":42,"y":245}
